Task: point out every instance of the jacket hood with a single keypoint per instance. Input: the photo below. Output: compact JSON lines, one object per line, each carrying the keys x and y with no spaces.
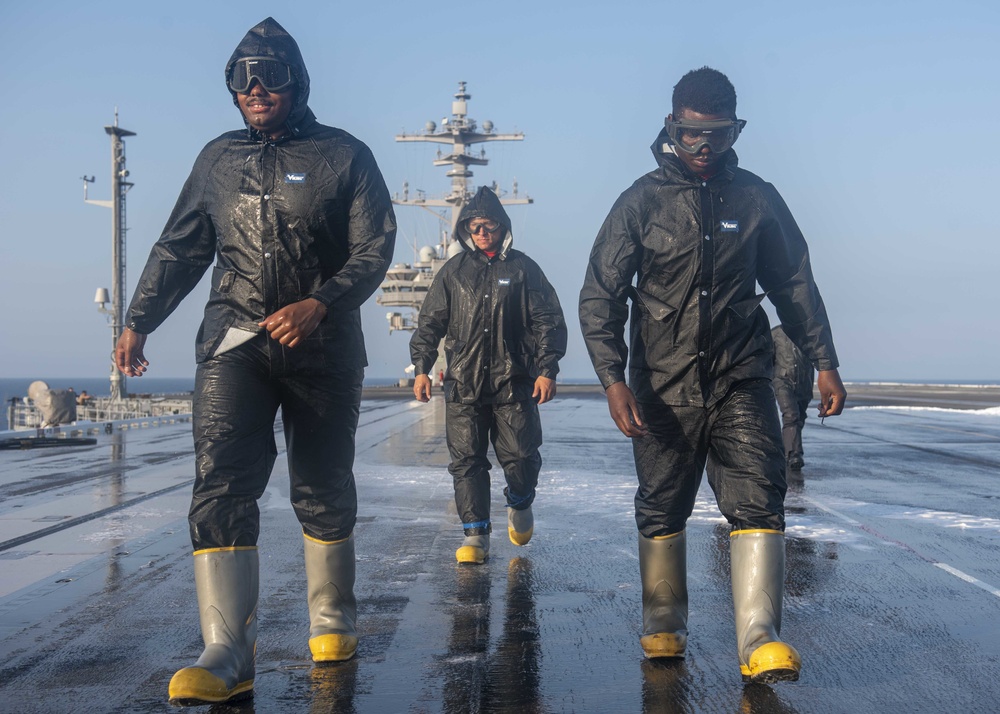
{"x":485,"y":204}
{"x":269,"y":39}
{"x":663,"y":152}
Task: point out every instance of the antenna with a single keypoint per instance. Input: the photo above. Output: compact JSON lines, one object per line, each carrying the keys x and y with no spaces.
{"x":120,"y":187}
{"x":461,"y":132}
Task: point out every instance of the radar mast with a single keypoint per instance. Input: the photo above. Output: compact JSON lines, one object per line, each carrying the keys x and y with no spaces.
{"x":120,"y":186}
{"x":406,"y":285}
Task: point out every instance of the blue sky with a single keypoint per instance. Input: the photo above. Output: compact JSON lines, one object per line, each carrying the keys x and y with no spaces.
{"x":877,"y":121}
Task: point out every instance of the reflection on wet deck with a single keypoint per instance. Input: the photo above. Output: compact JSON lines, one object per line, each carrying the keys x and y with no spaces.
{"x":879,"y":539}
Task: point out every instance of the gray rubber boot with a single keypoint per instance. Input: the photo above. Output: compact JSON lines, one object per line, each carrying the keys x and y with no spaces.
{"x":520,"y":525}
{"x":758,"y":576}
{"x":333,"y":611}
{"x":474,"y":549}
{"x":226,"y":580}
{"x":663,"y":571}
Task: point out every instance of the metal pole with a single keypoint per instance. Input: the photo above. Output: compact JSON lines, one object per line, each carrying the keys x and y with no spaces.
{"x":120,"y":187}
{"x":118,"y":389}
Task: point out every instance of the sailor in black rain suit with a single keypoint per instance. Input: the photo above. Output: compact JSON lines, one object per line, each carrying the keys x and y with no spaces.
{"x":793,"y":386}
{"x":300,"y":225}
{"x":697,"y":235}
{"x":504,"y":334}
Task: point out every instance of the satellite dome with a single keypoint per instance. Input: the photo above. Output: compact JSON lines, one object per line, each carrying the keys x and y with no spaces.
{"x":487,"y":126}
{"x":37,"y":390}
{"x":430,"y":126}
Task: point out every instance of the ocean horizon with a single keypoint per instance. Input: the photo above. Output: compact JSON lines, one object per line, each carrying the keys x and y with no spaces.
{"x":17,"y":387}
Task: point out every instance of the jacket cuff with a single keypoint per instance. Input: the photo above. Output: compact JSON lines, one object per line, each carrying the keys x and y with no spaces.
{"x":609,"y":378}
{"x":423,"y":367}
{"x":137,"y":327}
{"x":321,"y":298}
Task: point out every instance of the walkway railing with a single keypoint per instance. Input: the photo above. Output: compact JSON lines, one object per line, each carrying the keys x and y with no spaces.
{"x":23,"y":415}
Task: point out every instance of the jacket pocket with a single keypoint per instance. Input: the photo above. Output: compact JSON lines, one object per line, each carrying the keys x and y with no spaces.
{"x":654,"y":330}
{"x":745,"y":308}
{"x":454,"y":356}
{"x":655,"y":308}
{"x":309,"y":281}
{"x":222,"y":279}
{"x":521,"y":358}
{"x":454,"y":347}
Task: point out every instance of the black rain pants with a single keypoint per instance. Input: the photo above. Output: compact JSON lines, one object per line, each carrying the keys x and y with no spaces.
{"x":794,"y":405}
{"x":740,"y":440}
{"x":237,"y":396}
{"x":516,"y":433}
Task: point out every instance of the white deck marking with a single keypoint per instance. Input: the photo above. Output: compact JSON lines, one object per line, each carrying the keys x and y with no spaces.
{"x":871,"y":531}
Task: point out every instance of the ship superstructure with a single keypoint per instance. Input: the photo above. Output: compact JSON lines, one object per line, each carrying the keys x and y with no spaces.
{"x":406,"y":284}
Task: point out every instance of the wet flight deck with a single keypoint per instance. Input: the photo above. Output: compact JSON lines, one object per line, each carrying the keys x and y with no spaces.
{"x":892,"y":588}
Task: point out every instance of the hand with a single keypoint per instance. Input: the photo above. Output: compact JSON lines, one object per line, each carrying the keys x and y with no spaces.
{"x":129,"y":358}
{"x":545,"y":389}
{"x":422,"y":388}
{"x":832,"y":394}
{"x":293,"y":323}
{"x":625,"y":410}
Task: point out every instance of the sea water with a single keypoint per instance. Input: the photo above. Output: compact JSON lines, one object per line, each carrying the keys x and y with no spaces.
{"x":11,"y":387}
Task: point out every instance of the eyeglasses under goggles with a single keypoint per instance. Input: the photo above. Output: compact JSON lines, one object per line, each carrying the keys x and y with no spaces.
{"x":692,"y":136}
{"x":273,"y":75}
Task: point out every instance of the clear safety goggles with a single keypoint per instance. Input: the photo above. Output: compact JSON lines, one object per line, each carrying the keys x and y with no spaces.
{"x":692,"y":136}
{"x":484,"y":227}
{"x":273,"y":75}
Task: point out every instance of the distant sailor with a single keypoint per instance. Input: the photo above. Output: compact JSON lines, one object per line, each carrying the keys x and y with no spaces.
{"x":793,"y":386}
{"x":698,"y":234}
{"x":504,"y":335}
{"x":300,"y":222}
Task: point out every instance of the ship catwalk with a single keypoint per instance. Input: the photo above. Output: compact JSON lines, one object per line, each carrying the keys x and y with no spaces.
{"x":881,"y":579}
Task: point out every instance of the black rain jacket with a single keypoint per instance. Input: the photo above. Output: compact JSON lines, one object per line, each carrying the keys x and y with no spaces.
{"x":307,"y":215}
{"x":500,"y":318}
{"x":697,"y":250}
{"x":791,"y":366}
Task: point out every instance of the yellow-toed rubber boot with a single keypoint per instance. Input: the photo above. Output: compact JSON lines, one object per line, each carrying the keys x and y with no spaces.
{"x":474,"y":549}
{"x":333,"y":610}
{"x":663,"y":571}
{"x":226,"y":580}
{"x":758,"y":575}
{"x":520,"y":525}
